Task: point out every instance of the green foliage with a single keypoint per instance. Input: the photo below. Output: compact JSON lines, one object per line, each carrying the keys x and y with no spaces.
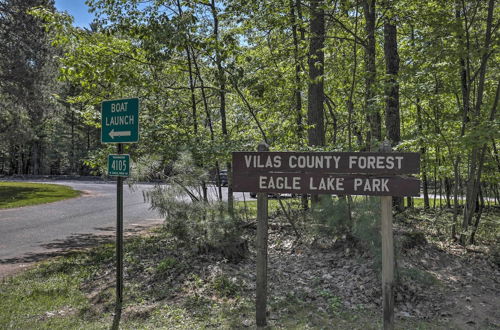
{"x":225,"y":286}
{"x":188,"y":216}
{"x":28,"y":71}
{"x":366,"y":219}
{"x":166,"y":264}
{"x":331,"y":215}
{"x":332,"y":219}
{"x":189,"y":60}
{"x":334,"y":302}
{"x":47,"y":298}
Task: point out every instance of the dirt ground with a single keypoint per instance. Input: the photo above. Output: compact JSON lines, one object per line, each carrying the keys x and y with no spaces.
{"x":454,"y":286}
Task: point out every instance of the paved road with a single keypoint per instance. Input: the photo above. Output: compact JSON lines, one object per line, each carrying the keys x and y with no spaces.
{"x":31,"y":233}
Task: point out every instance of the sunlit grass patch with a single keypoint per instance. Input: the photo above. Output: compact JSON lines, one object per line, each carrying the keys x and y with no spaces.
{"x":49,"y":301}
{"x":17,"y":194}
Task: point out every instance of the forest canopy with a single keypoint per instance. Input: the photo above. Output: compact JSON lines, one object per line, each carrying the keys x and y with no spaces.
{"x":220,"y":76}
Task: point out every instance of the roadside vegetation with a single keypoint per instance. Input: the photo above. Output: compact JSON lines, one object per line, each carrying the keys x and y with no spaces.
{"x":17,"y":194}
{"x":320,"y":274}
{"x":197,"y":270}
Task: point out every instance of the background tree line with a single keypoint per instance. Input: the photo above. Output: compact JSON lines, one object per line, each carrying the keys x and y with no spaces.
{"x":220,"y":76}
{"x":41,"y":133}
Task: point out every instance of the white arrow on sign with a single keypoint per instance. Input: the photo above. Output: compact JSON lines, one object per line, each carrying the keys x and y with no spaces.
{"x":112,"y":134}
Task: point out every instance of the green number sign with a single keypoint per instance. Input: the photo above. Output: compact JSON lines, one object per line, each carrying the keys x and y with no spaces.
{"x":119,"y":165}
{"x":120,"y":121}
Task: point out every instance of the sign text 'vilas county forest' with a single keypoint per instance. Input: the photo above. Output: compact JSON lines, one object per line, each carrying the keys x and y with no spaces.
{"x":326,"y":173}
{"x":327,"y":162}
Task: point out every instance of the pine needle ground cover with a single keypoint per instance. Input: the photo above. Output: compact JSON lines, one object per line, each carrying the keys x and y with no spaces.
{"x":314,"y":282}
{"x":17,"y":194}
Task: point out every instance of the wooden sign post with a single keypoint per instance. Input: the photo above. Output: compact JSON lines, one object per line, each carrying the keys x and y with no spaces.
{"x":387,"y":261}
{"x":341,"y":173}
{"x":387,"y":255}
{"x":261,"y":274}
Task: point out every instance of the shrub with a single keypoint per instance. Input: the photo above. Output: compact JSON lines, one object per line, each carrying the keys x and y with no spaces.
{"x":332,"y":219}
{"x":331,"y":216}
{"x":204,"y":224}
{"x":224,"y":286}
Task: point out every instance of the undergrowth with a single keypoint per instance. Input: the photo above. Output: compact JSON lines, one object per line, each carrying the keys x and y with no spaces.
{"x":186,"y":274}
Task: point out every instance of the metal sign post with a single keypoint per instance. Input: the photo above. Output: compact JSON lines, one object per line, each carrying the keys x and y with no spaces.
{"x":119,"y":124}
{"x":119,"y":237}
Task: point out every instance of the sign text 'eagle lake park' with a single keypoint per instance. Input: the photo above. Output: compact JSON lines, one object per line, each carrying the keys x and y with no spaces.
{"x":120,"y":121}
{"x":346,"y":173}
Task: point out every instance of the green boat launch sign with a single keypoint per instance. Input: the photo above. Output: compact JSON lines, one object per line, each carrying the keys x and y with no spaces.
{"x":119,"y":165}
{"x":120,"y":121}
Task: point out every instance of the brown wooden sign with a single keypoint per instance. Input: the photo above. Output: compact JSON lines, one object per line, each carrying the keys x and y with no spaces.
{"x":312,"y":183}
{"x":327,"y":162}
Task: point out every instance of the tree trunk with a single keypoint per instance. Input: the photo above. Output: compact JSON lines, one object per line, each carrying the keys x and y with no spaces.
{"x":73,"y":152}
{"x":447,"y":188}
{"x":456,"y":178}
{"x":477,"y":153}
{"x":435,"y":182}
{"x":194,"y":110}
{"x":315,"y":109}
{"x":221,"y":77}
{"x":316,"y":61}
{"x":392,"y":118}
{"x":464,"y":84}
{"x":423,"y":170}
{"x":298,"y":84}
{"x":373,"y":115}
{"x":35,"y":157}
{"x":421,"y":142}
{"x":208,"y":120}
{"x":472,"y":239}
{"x":350,"y":103}
{"x":296,"y":6}
{"x":409,"y":201}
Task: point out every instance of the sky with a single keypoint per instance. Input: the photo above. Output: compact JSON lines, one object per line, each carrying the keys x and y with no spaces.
{"x":77,"y":9}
